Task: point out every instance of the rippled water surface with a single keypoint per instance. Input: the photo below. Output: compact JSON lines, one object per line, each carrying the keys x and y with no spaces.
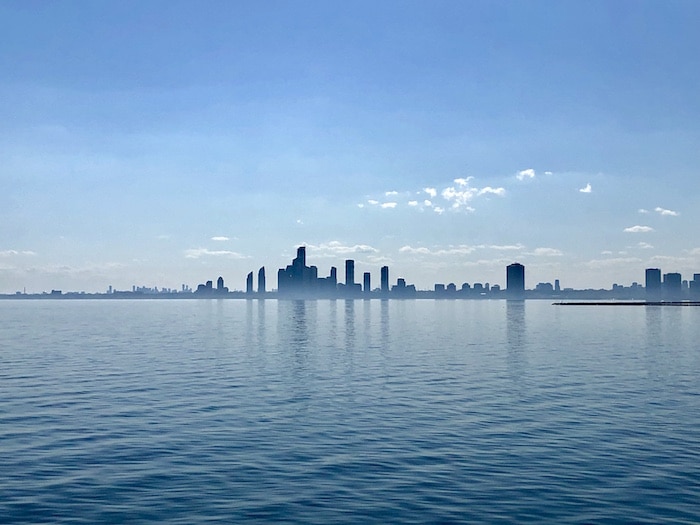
{"x":191,"y":411}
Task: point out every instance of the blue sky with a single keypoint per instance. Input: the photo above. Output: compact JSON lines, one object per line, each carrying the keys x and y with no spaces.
{"x":165,"y":142}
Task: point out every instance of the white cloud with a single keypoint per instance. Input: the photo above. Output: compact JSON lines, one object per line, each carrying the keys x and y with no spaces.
{"x":413,"y":203}
{"x":220,"y":238}
{"x":389,"y":205}
{"x":12,"y":253}
{"x":642,"y":210}
{"x":431,"y":191}
{"x":333,"y":248}
{"x":197,"y":253}
{"x":638,"y":229}
{"x":586,"y":189}
{"x":458,"y":197}
{"x":490,"y":190}
{"x":526,"y":174}
{"x":619,"y":261}
{"x":390,"y":193}
{"x":644,"y":245}
{"x":663,"y":211}
{"x":606,"y":252}
{"x":372,"y":202}
{"x":462,"y":181}
{"x":426,"y":202}
{"x":462,"y":249}
{"x":439,"y":210}
{"x":506,"y":247}
{"x":548,"y":173}
{"x":547,"y":252}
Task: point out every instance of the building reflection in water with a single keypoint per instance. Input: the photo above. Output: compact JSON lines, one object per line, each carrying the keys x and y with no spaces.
{"x":517,"y":339}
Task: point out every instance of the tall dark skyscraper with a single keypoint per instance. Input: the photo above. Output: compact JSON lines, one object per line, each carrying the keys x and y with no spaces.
{"x":220,"y":284}
{"x":653,"y":282}
{"x":515,"y":280}
{"x":366,"y":281}
{"x":249,"y":283}
{"x":672,"y":285}
{"x":261,"y":280}
{"x":349,"y":273}
{"x":385,"y":279}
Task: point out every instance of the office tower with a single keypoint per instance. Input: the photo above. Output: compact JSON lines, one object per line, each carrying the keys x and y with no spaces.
{"x":557,"y":287}
{"x":652,"y":282}
{"x":333,"y":277}
{"x":349,"y":273}
{"x":366,"y":282}
{"x":515,"y":280}
{"x":249,"y":283}
{"x":672,"y":284}
{"x":261,"y":280}
{"x":220,"y":284}
{"x":385,"y":279}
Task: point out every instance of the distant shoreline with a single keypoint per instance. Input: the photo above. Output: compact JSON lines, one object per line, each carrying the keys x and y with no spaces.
{"x":627,"y":303}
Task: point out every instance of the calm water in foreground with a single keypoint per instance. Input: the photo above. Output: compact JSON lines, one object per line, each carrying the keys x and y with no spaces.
{"x":348,"y":411}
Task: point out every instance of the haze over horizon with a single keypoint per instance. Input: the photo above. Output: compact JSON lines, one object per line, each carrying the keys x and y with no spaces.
{"x":158,"y":143}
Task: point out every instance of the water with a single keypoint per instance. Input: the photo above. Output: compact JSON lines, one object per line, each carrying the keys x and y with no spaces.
{"x":348,"y":412}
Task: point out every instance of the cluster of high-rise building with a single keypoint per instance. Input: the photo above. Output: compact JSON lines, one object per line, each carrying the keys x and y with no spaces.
{"x":300,"y":280}
{"x":670,"y":285}
{"x":297,"y":280}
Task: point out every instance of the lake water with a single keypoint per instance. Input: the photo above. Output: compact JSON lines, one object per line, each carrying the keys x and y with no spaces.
{"x":191,"y":411}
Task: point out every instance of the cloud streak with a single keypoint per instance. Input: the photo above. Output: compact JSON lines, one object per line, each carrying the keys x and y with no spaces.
{"x":638,"y":229}
{"x":198,"y":253}
{"x":665,"y":212}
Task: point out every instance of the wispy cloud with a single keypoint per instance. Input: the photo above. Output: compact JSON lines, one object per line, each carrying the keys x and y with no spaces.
{"x":547,"y":252}
{"x":526,"y":174}
{"x":612,"y":262}
{"x":390,"y":193}
{"x":494,"y":191}
{"x":586,"y":189}
{"x":13,"y":253}
{"x":453,"y":250}
{"x":334,"y":248}
{"x":198,"y":253}
{"x":642,"y":210}
{"x":431,"y":191}
{"x":638,"y":229}
{"x":413,"y":203}
{"x":663,"y":211}
{"x":388,"y":205}
{"x":644,"y":245}
{"x":220,"y":238}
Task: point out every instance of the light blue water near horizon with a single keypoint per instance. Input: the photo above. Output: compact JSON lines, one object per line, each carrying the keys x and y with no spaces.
{"x":348,"y":412}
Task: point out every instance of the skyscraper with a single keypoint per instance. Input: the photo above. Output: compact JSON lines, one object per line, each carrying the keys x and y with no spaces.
{"x":653,"y":282}
{"x":366,"y":280}
{"x":385,"y":279}
{"x":249,"y":283}
{"x":261,"y":280}
{"x":349,"y":273}
{"x":515,"y":280}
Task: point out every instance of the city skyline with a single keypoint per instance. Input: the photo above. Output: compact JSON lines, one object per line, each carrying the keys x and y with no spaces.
{"x":298,"y":280}
{"x":155,"y":143}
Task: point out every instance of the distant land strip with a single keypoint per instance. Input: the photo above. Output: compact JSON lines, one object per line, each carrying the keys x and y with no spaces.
{"x":627,"y":303}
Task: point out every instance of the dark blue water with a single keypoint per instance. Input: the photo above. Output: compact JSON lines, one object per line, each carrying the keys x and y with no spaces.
{"x":348,"y":412}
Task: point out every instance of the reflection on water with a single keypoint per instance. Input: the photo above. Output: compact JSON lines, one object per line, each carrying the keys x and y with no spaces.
{"x":515,"y":330}
{"x":303,"y":412}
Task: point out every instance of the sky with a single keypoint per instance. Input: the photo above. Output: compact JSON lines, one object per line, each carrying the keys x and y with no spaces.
{"x":161,"y":143}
